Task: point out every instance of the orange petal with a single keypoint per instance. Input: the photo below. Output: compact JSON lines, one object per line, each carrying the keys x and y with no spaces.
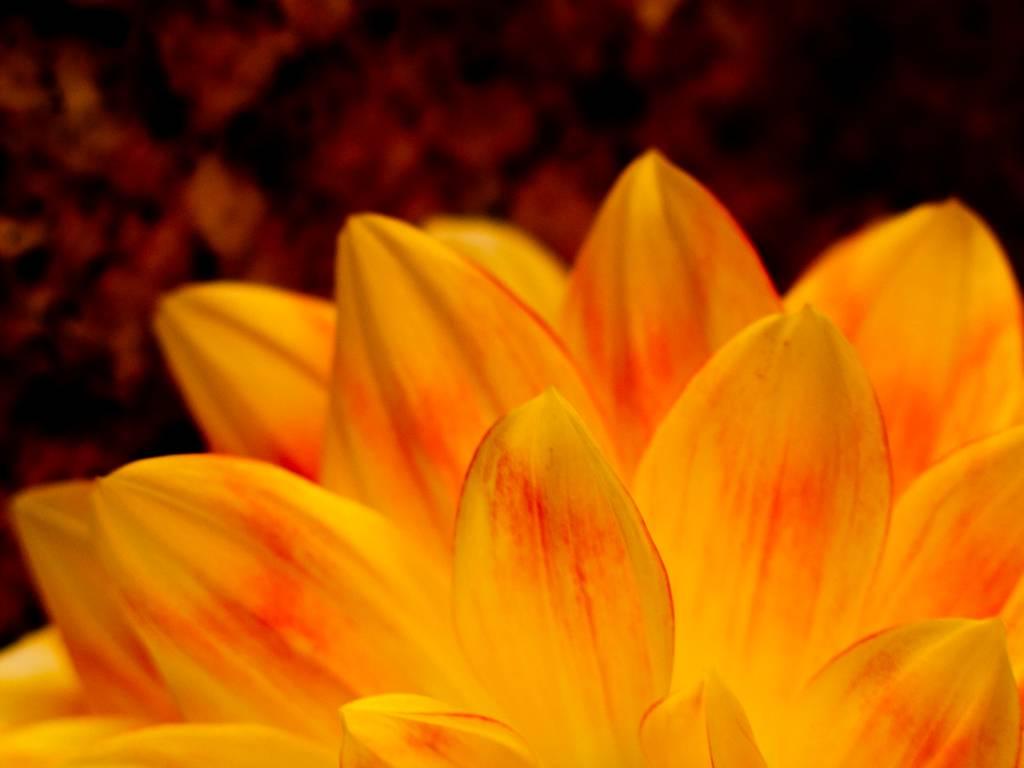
{"x":53,"y":742}
{"x":664,"y":278}
{"x":956,"y":542}
{"x":702,"y":728}
{"x":53,"y":524}
{"x":929,"y":301}
{"x":561,"y":601}
{"x":214,"y":746}
{"x":526,"y":267}
{"x":937,"y":694}
{"x":253,"y":363}
{"x":431,"y":352}
{"x":401,"y":731}
{"x":767,"y":492}
{"x":265,"y":598}
{"x":37,"y":681}
{"x":1012,"y":615}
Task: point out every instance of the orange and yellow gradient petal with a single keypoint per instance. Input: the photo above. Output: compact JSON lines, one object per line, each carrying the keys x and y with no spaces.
{"x":54,"y":526}
{"x":664,"y":278}
{"x":938,"y":694}
{"x":253,"y":363}
{"x":705,"y":727}
{"x":526,"y":267}
{"x":929,"y":300}
{"x":767,"y":492}
{"x":210,"y":746}
{"x":956,"y":540}
{"x":405,"y":731}
{"x":561,"y":600}
{"x":264,"y":598}
{"x":431,"y":351}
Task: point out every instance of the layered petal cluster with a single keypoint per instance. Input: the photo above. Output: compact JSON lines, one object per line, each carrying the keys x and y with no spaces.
{"x":644,"y":513}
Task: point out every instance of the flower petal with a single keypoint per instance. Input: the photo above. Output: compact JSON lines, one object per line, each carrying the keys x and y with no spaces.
{"x":401,"y":731}
{"x":702,"y":728}
{"x":767,"y":492}
{"x":265,"y":598}
{"x":53,"y":524}
{"x":37,"y":681}
{"x":431,"y":352}
{"x":526,"y":267}
{"x":929,"y":301}
{"x":191,"y":746}
{"x":956,"y":541}
{"x":937,"y":694}
{"x":253,"y":363}
{"x":561,"y":601}
{"x":52,"y":742}
{"x":664,"y":278}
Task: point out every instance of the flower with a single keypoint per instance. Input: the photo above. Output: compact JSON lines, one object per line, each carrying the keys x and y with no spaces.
{"x":644,"y":514}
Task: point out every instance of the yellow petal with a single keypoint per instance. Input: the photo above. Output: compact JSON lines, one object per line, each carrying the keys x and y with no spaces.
{"x":402,"y":731}
{"x":1012,"y":615}
{"x":431,"y":352}
{"x":664,"y":278}
{"x":37,"y":681}
{"x":206,"y":746}
{"x":561,"y":601}
{"x":265,"y":598}
{"x":767,"y":492}
{"x":53,"y":524}
{"x":929,"y":301}
{"x":702,"y":728}
{"x":937,"y":694}
{"x":956,"y":541}
{"x":52,"y":742}
{"x":253,"y":363}
{"x":526,"y":267}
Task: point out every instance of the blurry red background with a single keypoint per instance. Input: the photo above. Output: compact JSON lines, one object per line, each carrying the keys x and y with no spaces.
{"x":144,"y":144}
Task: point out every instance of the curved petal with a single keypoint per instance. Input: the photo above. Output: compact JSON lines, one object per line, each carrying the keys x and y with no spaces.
{"x":53,"y":524}
{"x":561,"y":601}
{"x":402,"y":731}
{"x":1012,"y":616}
{"x":191,"y":746}
{"x":956,"y":541}
{"x":431,"y":352}
{"x":937,"y":694}
{"x":767,"y":491}
{"x":526,"y":267}
{"x":264,"y":598}
{"x":664,"y":278}
{"x":52,"y":742}
{"x":929,"y":301}
{"x":37,"y":681}
{"x":702,"y":728}
{"x":253,"y":363}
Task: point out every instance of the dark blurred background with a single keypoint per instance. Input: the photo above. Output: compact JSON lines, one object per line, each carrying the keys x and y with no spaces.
{"x":144,"y":144}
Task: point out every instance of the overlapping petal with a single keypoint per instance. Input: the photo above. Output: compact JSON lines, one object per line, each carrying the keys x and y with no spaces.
{"x":53,"y":524}
{"x":431,"y":352}
{"x":253,"y":363}
{"x":664,"y":278}
{"x":561,"y":600}
{"x":702,"y":728}
{"x":264,"y":598}
{"x":956,"y":541}
{"x":53,"y":742}
{"x":37,"y":681}
{"x":937,"y":694}
{"x":930,"y":302}
{"x":526,"y":267}
{"x":403,"y":731}
{"x":191,"y":746}
{"x":767,"y":491}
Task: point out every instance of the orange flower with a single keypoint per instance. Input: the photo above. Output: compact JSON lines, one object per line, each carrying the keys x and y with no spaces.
{"x":632,"y":515}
